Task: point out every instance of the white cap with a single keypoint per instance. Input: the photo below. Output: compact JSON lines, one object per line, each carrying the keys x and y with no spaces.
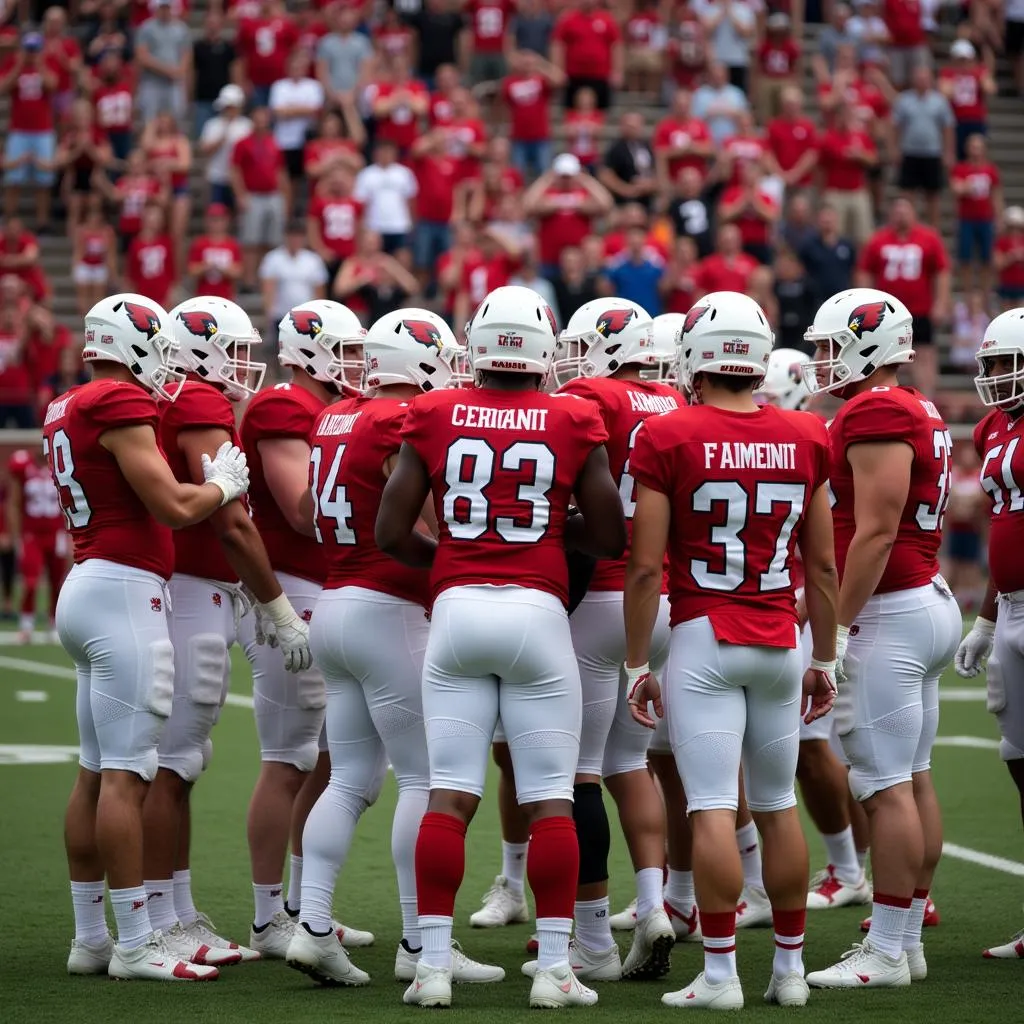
{"x":230,"y":96}
{"x":566,"y":164}
{"x":962,"y":48}
{"x":778,"y":20}
{"x":1014,"y":215}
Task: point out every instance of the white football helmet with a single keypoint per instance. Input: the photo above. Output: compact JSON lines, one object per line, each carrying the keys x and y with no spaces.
{"x":1004,"y":336}
{"x":727,"y":333}
{"x":512,"y":331}
{"x":865,"y":328}
{"x":325,"y":339}
{"x":665,"y":333}
{"x":601,"y":337}
{"x":410,"y":346}
{"x":215,"y":338}
{"x":134,"y":331}
{"x":785,"y":383}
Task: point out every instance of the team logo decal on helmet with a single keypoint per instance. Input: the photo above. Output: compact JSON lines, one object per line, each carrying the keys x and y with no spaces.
{"x":306,"y":322}
{"x":201,"y":324}
{"x":142,"y":318}
{"x":551,"y":319}
{"x":867,"y":318}
{"x":613,"y":321}
{"x":695,"y":313}
{"x":424,"y":332}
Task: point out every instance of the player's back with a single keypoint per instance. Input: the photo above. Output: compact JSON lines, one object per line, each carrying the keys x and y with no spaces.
{"x":895,"y":415}
{"x":740,"y":485}
{"x":351,"y":441}
{"x":281,"y":412}
{"x":502,"y":465}
{"x":624,"y":405}
{"x":106,"y":518}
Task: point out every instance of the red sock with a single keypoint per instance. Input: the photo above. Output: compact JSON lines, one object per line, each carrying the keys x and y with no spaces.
{"x":28,"y":597}
{"x":920,"y":894}
{"x":553,"y":865}
{"x":440,"y":863}
{"x":789,"y":922}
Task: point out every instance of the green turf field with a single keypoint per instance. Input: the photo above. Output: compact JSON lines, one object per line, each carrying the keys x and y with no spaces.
{"x":979,"y":904}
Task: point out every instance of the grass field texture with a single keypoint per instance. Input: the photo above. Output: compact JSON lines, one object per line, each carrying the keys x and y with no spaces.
{"x":980,"y":903}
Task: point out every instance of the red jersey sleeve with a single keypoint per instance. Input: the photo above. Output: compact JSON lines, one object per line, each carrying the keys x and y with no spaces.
{"x":649,"y":463}
{"x":126,"y":405}
{"x":278,"y":415}
{"x":587,"y":422}
{"x":883,"y":419}
{"x":981,"y":432}
{"x":198,"y":408}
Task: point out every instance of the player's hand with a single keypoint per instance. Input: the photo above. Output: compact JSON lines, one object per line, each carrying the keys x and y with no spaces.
{"x":228,"y":470}
{"x":842,"y":640}
{"x":975,"y":648}
{"x":290,"y":633}
{"x":642,"y":687}
{"x":820,"y":686}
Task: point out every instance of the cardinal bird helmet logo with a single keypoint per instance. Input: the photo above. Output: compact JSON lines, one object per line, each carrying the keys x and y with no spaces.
{"x":551,"y":319}
{"x":613,"y":321}
{"x":143,"y":319}
{"x":201,"y":324}
{"x":866,"y":318}
{"x":305,"y":321}
{"x":424,"y":332}
{"x":696,"y":312}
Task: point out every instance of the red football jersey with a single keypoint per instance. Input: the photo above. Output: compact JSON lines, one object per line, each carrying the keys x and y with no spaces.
{"x":40,"y":505}
{"x":280,"y":412}
{"x":489,"y":20}
{"x":738,"y":509}
{"x":502,"y":465}
{"x":351,"y":441}
{"x":264,"y":45}
{"x":997,"y":440}
{"x":624,"y":405}
{"x":149,"y":267}
{"x":339,"y":222}
{"x":905,"y":265}
{"x":216,"y":255}
{"x":905,"y":415}
{"x":105,"y":516}
{"x":199,"y":406}
{"x":976,"y":204}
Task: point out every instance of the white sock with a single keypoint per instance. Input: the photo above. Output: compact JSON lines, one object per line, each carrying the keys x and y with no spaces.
{"x":915,"y":923}
{"x":405,"y":827}
{"x":160,"y":898}
{"x":719,"y":959}
{"x":184,"y":907}
{"x":267,"y":902}
{"x":789,"y":955}
{"x":437,"y":941}
{"x":90,"y":913}
{"x":750,"y":855}
{"x":294,"y":902}
{"x":552,"y":941}
{"x":593,"y":927}
{"x":513,"y":864}
{"x":842,"y":855}
{"x":648,"y":891}
{"x":131,"y":915}
{"x":888,"y":926}
{"x":679,"y":890}
{"x":26,"y":622}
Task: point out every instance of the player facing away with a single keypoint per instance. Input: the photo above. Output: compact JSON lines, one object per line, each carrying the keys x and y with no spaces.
{"x":215,"y":338}
{"x":899,"y":624}
{"x":289,"y":707}
{"x":36,"y":526}
{"x":368,"y":633}
{"x":730,"y":488}
{"x":999,"y":628}
{"x":120,"y":501}
{"x":502,"y":462}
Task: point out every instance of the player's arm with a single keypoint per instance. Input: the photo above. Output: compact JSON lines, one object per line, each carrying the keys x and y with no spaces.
{"x":601,"y":531}
{"x":427,"y":524}
{"x":641,"y":595}
{"x":286,"y":470}
{"x":821,"y":579}
{"x":141,"y":463}
{"x":400,"y":504}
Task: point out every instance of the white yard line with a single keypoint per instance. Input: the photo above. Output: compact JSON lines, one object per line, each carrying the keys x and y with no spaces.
{"x":985,"y":860}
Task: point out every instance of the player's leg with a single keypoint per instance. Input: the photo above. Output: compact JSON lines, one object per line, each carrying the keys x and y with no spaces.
{"x":31,"y":566}
{"x":754,"y":909}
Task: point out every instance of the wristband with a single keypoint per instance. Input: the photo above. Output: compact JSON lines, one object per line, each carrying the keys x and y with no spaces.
{"x":828,"y":667}
{"x":986,"y":626}
{"x":280,"y":610}
{"x":634,"y":676}
{"x":224,"y":496}
{"x":842,"y":632}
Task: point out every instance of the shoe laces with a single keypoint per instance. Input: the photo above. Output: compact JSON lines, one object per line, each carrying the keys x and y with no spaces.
{"x":205,"y":926}
{"x":859,"y":952}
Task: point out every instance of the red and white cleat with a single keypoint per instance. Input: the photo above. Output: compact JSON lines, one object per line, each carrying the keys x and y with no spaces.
{"x":1013,"y":950}
{"x":828,"y":891}
{"x":686,"y":926}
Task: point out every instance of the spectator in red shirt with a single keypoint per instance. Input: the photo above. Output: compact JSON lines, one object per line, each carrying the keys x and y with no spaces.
{"x":909,"y":260}
{"x":392,"y":37}
{"x":478,"y":199}
{"x":977,"y":186}
{"x":446,"y":81}
{"x":847,"y":154}
{"x":645,"y":39}
{"x":149,"y":266}
{"x":93,"y":256}
{"x":1009,"y":258}
{"x":66,"y":55}
{"x":333,"y":220}
{"x":17,"y":408}
{"x":82,"y":154}
{"x":754,"y":210}
{"x":31,"y":82}
{"x":792,"y":140}
{"x":263,"y":44}
{"x":372,"y":283}
{"x":437,"y":173}
{"x":132,"y":191}
{"x":112,"y":90}
{"x":908,"y":44}
{"x":49,"y":342}
{"x":587,"y":46}
{"x":680,"y":140}
{"x":488,"y":28}
{"x":19,"y":257}
{"x":338,"y":144}
{"x":310,"y":28}
{"x":687,"y":47}
{"x":583,"y":126}
{"x":465,"y":135}
{"x":565,"y":203}
{"x":678,"y":284}
{"x":215,"y":258}
{"x":728,"y":268}
{"x":746,"y":146}
{"x":776,"y":65}
{"x":259,"y":181}
{"x":454,"y":265}
{"x":397,"y":103}
{"x":526,"y":93}
{"x":967,"y":83}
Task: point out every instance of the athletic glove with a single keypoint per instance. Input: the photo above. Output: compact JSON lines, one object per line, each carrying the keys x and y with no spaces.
{"x":283,"y":628}
{"x":228,"y":470}
{"x":642,"y":687}
{"x":975,"y":648}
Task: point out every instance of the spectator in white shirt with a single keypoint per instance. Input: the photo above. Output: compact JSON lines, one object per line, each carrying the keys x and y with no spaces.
{"x":217,"y":142}
{"x":296,"y":103}
{"x":731,"y":26}
{"x":289,"y":275}
{"x":385,"y":188}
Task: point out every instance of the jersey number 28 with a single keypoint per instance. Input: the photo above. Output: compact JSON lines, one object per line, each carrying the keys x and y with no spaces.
{"x":73,"y":502}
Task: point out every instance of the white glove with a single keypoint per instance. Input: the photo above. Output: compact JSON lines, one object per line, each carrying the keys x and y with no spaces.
{"x":228,"y":470}
{"x":975,"y":648}
{"x":289,"y":633}
{"x":842,"y":639}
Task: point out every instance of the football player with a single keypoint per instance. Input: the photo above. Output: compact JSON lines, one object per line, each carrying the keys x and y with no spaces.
{"x":36,"y":526}
{"x":289,"y":707}
{"x":730,"y":488}
{"x":215,"y":339}
{"x":899,"y":624}
{"x":369,"y":632}
{"x":1000,"y":383}
{"x":120,"y":499}
{"x":501,"y":462}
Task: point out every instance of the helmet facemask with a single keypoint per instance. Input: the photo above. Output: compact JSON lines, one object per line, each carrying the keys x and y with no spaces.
{"x":1003,"y":390}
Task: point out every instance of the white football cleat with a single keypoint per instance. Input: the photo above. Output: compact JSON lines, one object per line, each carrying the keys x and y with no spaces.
{"x":916,"y":962}
{"x":700,"y":994}
{"x":90,"y":959}
{"x":468,"y":972}
{"x":558,"y":986}
{"x":431,"y":986}
{"x":189,"y":947}
{"x":352,"y":938}
{"x":588,"y":964}
{"x":323,"y":958}
{"x":863,"y":967}
{"x":828,"y":891}
{"x":624,"y":920}
{"x":501,"y":906}
{"x":154,"y":961}
{"x":651,"y":953}
{"x":686,"y":926}
{"x":791,"y":990}
{"x":754,"y":909}
{"x":1012,"y":950}
{"x":202,"y":930}
{"x":272,"y":940}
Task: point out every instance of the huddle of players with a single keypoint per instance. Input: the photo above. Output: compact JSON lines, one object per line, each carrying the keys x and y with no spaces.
{"x":408,"y":474}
